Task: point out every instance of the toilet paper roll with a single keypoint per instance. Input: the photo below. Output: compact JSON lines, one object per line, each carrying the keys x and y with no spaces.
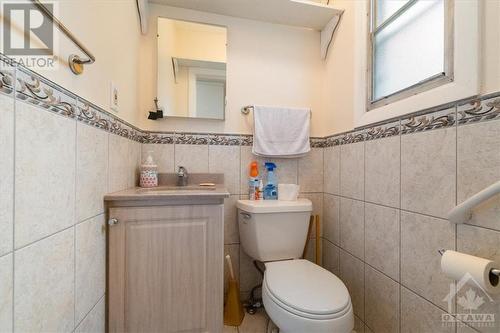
{"x":456,"y":265}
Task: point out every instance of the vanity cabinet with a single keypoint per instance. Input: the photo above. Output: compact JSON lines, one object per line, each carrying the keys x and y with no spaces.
{"x":165,"y":268}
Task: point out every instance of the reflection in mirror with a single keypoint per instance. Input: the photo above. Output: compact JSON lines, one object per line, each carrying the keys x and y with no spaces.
{"x":191,"y":69}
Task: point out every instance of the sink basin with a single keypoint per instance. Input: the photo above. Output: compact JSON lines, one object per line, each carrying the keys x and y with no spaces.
{"x":169,"y":189}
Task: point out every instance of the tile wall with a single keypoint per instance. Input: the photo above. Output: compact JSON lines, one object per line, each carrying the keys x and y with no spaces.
{"x":57,"y":161}
{"x":385,"y":205}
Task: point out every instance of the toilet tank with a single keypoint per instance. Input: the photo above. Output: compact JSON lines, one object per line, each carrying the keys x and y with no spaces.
{"x":273,"y":229}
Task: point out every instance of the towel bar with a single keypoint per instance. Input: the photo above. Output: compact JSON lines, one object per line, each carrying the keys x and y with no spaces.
{"x":75,"y":62}
{"x":462,"y":213}
{"x":246,"y":109}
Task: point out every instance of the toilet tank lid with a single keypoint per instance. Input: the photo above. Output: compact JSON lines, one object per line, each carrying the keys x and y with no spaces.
{"x":274,"y":206}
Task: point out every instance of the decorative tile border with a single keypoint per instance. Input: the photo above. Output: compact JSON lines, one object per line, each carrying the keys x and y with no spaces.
{"x":224,"y":140}
{"x":36,"y":90}
{"x":430,"y":121}
{"x":478,"y":110}
{"x":32,"y":88}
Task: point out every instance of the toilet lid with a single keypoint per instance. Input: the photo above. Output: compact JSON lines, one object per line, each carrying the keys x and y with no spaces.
{"x":306,"y":287}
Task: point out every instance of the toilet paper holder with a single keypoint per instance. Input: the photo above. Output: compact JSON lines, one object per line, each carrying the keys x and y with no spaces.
{"x":494,"y":271}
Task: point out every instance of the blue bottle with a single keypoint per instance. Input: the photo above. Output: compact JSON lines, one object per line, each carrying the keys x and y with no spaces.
{"x":271,"y":188}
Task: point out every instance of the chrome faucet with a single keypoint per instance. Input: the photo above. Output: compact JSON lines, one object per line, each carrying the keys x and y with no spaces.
{"x":182,"y":176}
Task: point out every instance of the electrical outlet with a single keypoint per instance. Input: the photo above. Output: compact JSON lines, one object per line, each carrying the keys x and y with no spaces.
{"x":113,"y":97}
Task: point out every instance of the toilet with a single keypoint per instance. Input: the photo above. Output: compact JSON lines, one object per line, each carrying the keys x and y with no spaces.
{"x":298,"y":296}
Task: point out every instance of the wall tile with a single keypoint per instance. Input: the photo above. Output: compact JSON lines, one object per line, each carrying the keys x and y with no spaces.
{"x":286,"y":170}
{"x":163,"y":155}
{"x":7,"y":172}
{"x":317,"y":203}
{"x":249,"y":275}
{"x":226,"y":160}
{"x":118,"y":163}
{"x":331,"y":257}
{"x":193,"y":157}
{"x":90,"y":264}
{"x":421,"y":238}
{"x":419,"y":315}
{"x":311,"y":171}
{"x":359,"y":326}
{"x":382,"y":171}
{"x":91,"y":170}
{"x":231,"y":231}
{"x":381,"y":302}
{"x":331,"y":170}
{"x":311,"y":251}
{"x":6,"y":289}
{"x":484,"y":243}
{"x":95,"y":322}
{"x":479,"y":167}
{"x":45,"y":173}
{"x":44,"y":285}
{"x":134,"y":162}
{"x":352,"y":274}
{"x":428,"y":167}
{"x":352,"y":170}
{"x":331,"y":220}
{"x":382,"y":237}
{"x":352,"y":229}
{"x":462,"y":328}
{"x":234,"y":251}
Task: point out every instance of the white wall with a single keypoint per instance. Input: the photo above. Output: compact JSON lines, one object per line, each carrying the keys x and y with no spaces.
{"x":266,"y":64}
{"x":110,"y":30}
{"x":490,"y":46}
{"x":476,"y":58}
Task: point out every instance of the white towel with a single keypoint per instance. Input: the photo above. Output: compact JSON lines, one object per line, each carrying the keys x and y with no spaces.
{"x":281,"y":132}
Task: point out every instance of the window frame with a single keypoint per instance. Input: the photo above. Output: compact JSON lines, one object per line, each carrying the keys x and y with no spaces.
{"x":429,"y":83}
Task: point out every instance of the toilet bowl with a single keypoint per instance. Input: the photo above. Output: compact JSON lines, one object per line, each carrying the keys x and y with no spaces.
{"x":300,"y":296}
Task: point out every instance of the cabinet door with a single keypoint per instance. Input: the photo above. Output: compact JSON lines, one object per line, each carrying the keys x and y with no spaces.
{"x":166,"y":269}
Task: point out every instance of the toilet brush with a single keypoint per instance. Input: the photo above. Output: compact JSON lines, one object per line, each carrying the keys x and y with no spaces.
{"x":233,"y":309}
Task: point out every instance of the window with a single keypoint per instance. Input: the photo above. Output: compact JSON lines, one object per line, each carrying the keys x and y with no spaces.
{"x":410,"y":48}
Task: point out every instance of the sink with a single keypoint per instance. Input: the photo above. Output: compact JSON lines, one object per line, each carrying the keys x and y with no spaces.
{"x":169,"y":189}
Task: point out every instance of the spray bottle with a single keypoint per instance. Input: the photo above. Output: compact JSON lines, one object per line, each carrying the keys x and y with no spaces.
{"x":271,"y":188}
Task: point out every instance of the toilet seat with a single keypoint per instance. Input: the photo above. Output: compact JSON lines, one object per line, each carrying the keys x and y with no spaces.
{"x":306,"y":290}
{"x":300,"y":296}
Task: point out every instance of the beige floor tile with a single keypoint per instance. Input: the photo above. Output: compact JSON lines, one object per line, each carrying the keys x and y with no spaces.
{"x":256,"y":323}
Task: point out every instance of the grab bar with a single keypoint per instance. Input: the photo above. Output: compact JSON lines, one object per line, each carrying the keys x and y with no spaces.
{"x":75,"y":62}
{"x":463,"y":212}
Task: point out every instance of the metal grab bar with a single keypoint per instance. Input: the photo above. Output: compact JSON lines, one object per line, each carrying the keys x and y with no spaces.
{"x":463,"y":212}
{"x":75,"y":62}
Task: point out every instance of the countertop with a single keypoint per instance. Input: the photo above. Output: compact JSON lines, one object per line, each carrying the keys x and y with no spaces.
{"x":169,"y":192}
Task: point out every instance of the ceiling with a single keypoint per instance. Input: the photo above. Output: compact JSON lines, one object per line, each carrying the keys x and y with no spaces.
{"x":299,"y":13}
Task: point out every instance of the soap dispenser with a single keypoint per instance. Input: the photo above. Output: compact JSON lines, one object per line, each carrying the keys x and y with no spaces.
{"x":271,"y":188}
{"x":149,"y":172}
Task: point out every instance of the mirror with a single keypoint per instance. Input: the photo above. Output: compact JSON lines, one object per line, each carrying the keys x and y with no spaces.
{"x":191,"y":69}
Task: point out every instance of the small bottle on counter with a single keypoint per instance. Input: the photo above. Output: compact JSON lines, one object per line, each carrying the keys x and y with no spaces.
{"x":253,"y":182}
{"x":149,"y":172}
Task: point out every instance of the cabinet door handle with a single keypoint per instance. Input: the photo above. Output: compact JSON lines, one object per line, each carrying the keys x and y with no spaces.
{"x":112,"y":222}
